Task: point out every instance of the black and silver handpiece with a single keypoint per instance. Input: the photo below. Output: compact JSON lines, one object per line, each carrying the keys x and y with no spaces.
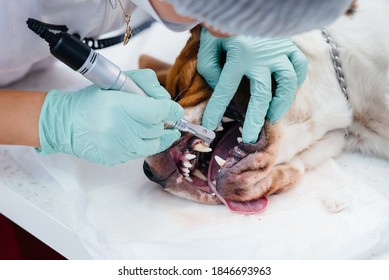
{"x":83,"y":59}
{"x":98,"y":69}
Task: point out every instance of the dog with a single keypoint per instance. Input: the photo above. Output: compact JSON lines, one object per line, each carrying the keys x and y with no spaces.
{"x":341,"y":108}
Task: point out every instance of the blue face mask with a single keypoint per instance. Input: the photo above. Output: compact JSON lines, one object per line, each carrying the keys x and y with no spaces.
{"x":263,"y":17}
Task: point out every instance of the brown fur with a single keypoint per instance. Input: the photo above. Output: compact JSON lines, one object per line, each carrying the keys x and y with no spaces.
{"x":353,"y":7}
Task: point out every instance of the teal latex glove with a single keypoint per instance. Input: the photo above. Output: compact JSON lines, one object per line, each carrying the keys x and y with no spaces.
{"x":258,"y":59}
{"x":106,"y":126}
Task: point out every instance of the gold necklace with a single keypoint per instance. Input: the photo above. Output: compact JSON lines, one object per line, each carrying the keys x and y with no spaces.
{"x":127,"y":18}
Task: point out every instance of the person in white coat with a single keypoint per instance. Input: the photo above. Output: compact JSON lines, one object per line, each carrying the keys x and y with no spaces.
{"x":111,"y":127}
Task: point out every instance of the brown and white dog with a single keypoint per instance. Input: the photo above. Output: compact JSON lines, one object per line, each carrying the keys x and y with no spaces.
{"x":321,"y":123}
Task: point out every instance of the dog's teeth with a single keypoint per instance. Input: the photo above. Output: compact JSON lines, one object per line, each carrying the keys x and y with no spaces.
{"x":220,"y":161}
{"x":186,"y":164}
{"x":219,"y":128}
{"x":190,"y":180}
{"x":199,"y":175}
{"x":186,"y":174}
{"x":239,"y":139}
{"x":190,"y":156}
{"x":200,"y":147}
{"x":241,"y":129}
{"x":214,"y":183}
{"x":227,"y":119}
{"x":185,"y":170}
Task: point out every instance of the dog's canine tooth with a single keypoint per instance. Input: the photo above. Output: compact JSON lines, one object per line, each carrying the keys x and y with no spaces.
{"x":220,"y":161}
{"x":199,"y":175}
{"x":227,"y":119}
{"x":239,"y":139}
{"x":186,"y":164}
{"x":190,"y":180}
{"x":214,"y":182}
{"x":241,"y":129}
{"x":190,"y":156}
{"x":219,"y":128}
{"x":185,"y":170}
{"x":200,"y":147}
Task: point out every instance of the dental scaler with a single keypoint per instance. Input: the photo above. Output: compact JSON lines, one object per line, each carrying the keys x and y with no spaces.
{"x":99,"y":70}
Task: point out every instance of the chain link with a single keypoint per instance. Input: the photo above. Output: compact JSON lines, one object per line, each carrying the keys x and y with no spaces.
{"x":334,"y":52}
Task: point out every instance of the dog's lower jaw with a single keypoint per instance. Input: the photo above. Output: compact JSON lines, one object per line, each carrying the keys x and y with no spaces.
{"x":178,"y":186}
{"x":173,"y":181}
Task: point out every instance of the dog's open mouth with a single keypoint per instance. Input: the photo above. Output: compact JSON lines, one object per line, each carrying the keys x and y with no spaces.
{"x":203,"y":167}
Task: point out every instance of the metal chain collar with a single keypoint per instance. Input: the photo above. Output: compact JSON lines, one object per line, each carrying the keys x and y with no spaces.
{"x":334,"y":52}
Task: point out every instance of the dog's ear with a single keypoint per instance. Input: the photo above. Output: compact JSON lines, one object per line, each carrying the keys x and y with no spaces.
{"x":184,"y":82}
{"x":160,"y":68}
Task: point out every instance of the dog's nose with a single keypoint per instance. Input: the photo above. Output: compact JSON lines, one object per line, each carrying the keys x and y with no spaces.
{"x":149,"y":174}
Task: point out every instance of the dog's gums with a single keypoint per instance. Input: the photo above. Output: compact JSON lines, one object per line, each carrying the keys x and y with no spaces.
{"x":205,"y":167}
{"x":229,"y":151}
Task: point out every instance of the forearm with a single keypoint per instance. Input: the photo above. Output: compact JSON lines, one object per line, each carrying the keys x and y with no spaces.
{"x":19,"y":117}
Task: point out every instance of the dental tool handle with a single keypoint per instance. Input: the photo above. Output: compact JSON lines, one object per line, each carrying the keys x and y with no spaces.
{"x":92,"y":65}
{"x":108,"y":75}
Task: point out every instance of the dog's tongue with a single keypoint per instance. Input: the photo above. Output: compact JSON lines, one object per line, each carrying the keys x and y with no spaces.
{"x":228,"y":142}
{"x":248,"y":207}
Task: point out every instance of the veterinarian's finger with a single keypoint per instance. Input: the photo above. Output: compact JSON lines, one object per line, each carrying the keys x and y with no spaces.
{"x":224,"y":92}
{"x":148,"y":131}
{"x":149,"y":147}
{"x":172,"y":111}
{"x":147,"y":80}
{"x":260,"y":97}
{"x":285,"y":92}
{"x":162,"y":110}
{"x":300,"y":65}
{"x":168,"y":138}
{"x":208,"y":58}
{"x":149,"y":111}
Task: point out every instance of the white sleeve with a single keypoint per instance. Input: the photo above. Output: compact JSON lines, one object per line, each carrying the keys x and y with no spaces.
{"x":19,"y":47}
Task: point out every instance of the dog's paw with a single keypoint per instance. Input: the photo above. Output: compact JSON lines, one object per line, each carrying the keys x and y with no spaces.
{"x":336,"y":200}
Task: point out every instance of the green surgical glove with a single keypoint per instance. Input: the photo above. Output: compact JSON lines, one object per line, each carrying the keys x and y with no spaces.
{"x":258,"y":59}
{"x":106,"y":126}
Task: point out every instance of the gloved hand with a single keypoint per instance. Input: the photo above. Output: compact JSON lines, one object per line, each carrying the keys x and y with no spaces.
{"x":258,"y":59}
{"x":107,"y":126}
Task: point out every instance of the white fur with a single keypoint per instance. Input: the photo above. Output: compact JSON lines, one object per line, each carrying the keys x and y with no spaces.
{"x":321,"y":122}
{"x":194,"y":114}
